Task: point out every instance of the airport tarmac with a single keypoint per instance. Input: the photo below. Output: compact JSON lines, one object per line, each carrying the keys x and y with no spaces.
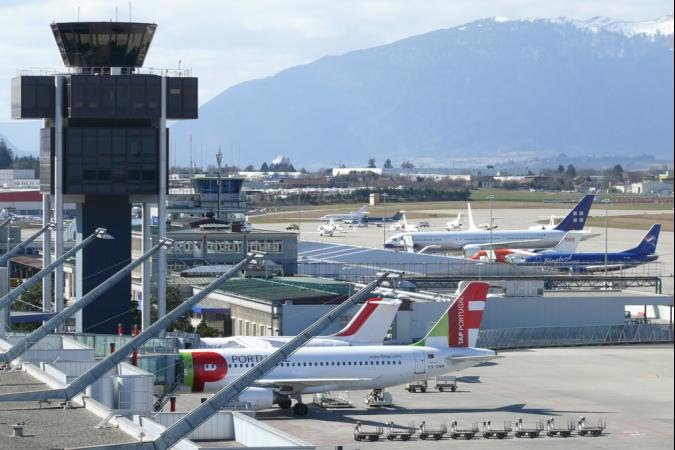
{"x":618,"y":239}
{"x":631,"y":387}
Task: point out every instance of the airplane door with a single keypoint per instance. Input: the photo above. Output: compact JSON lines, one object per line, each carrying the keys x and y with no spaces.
{"x":420,"y":362}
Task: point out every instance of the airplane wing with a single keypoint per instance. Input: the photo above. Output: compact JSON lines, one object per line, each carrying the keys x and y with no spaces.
{"x":293,"y":385}
{"x":505,"y":244}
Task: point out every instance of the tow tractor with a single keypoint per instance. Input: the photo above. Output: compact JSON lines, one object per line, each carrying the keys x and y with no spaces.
{"x":524,"y":431}
{"x":434,"y":433}
{"x":552,"y":430}
{"x":367,"y":435}
{"x":489,"y":432}
{"x":378,"y":398}
{"x":585,"y":430}
{"x":417,"y":386}
{"x":445,"y":383}
{"x":404,"y":434}
{"x":467,"y":433}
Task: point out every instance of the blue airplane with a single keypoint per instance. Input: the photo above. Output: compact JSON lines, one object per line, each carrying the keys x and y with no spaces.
{"x":595,"y":262}
{"x":382,"y":220}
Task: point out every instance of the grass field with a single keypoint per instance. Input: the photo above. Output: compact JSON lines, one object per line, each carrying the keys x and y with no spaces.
{"x":634,"y":222}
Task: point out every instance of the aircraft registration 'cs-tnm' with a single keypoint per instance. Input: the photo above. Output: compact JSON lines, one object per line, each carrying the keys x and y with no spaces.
{"x":447,"y":347}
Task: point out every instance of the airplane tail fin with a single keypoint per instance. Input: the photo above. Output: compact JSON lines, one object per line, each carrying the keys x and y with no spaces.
{"x":472,"y":225}
{"x":371,"y":323}
{"x":647,"y":245}
{"x":363,"y":208}
{"x":396,"y":216}
{"x":459,"y":324}
{"x":576,"y":218}
{"x":569,"y":243}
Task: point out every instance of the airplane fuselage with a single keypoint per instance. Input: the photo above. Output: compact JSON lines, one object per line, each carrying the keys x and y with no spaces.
{"x":456,"y":240}
{"x":563,"y":260}
{"x":342,"y":368}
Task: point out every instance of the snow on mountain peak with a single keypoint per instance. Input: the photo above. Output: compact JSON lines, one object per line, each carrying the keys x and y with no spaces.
{"x":662,"y":26}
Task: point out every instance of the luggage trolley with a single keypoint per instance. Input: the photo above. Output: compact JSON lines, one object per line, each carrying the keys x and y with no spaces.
{"x":585,"y":430}
{"x":467,"y":433}
{"x":365,"y":435}
{"x":552,"y":430}
{"x":489,"y":432}
{"x":523,"y":431}
{"x":431,"y":433}
{"x":399,"y":433}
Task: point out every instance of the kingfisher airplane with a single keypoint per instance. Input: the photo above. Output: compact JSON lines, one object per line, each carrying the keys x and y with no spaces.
{"x":369,"y":326}
{"x":447,"y":347}
{"x":595,"y":262}
{"x":456,"y":240}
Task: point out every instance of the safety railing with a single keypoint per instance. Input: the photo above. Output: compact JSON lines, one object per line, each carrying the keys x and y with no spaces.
{"x":507,"y":338}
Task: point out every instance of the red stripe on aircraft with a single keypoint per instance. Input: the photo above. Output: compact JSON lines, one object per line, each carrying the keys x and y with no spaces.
{"x":461,"y":319}
{"x":358,"y":321}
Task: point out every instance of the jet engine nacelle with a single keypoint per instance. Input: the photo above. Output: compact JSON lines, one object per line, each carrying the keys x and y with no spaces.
{"x":259,"y":398}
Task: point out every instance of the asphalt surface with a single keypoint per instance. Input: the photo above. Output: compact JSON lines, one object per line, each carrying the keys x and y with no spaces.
{"x":630,"y":387}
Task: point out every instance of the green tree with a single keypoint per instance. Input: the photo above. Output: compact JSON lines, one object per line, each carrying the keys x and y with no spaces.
{"x":571,"y":171}
{"x":173,"y":299}
{"x":6,"y":155}
{"x":387,"y":164}
{"x":264,"y":167}
{"x":407,"y":165}
{"x":249,"y":168}
{"x":31,"y":300}
{"x":561,"y":168}
{"x":371,"y":163}
{"x":203,"y":330}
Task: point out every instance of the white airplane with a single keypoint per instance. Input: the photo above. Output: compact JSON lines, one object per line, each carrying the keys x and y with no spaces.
{"x":446,"y":348}
{"x":453,"y":225}
{"x":548,"y":226}
{"x":369,"y":326}
{"x":456,"y":240}
{"x":351,"y":217}
{"x":328,"y":229}
{"x":482,"y":226}
{"x":402,"y":225}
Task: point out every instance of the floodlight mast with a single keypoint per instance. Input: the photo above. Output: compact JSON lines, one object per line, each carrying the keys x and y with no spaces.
{"x":32,"y":281}
{"x":60,"y":318}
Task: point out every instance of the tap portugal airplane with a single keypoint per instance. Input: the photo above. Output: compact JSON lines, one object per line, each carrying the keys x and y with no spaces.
{"x":447,"y":347}
{"x":368,"y":327}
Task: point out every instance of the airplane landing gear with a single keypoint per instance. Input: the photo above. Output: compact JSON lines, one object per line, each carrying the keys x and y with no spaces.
{"x":284,"y":403}
{"x":300,"y":409}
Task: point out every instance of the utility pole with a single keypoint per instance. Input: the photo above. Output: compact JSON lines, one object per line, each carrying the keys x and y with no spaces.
{"x":491,"y":253}
{"x":606,"y":202}
{"x":219,"y":160}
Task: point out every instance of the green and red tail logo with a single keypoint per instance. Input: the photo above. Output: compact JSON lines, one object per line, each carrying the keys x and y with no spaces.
{"x":459,"y":324}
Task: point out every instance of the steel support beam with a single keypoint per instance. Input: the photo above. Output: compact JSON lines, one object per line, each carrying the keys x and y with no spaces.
{"x":26,"y":285}
{"x":102,"y":367}
{"x":60,"y":318}
{"x":161,"y":206}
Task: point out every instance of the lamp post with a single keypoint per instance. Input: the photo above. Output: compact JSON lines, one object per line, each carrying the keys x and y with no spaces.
{"x":384,"y":218}
{"x":606,"y":202}
{"x":491,"y":251}
{"x":219,"y":159}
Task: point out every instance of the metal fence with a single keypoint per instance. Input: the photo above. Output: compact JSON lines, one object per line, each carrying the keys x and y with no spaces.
{"x":506,"y":338}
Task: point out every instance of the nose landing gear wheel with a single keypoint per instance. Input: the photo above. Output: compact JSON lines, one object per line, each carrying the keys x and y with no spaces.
{"x":300,"y":409}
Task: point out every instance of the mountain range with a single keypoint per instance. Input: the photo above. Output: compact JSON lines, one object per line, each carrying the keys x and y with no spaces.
{"x":488,"y":89}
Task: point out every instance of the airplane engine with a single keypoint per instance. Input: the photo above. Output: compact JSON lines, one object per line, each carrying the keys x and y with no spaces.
{"x":259,"y":398}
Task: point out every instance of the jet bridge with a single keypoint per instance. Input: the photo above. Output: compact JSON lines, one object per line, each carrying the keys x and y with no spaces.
{"x":100,"y":233}
{"x":202,"y":413}
{"x":59,"y":319}
{"x":102,"y":367}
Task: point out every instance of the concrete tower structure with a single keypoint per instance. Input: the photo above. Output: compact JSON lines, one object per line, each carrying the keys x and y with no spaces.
{"x":103,"y":147}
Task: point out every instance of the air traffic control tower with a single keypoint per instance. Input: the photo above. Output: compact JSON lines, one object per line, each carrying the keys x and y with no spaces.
{"x":103,"y":147}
